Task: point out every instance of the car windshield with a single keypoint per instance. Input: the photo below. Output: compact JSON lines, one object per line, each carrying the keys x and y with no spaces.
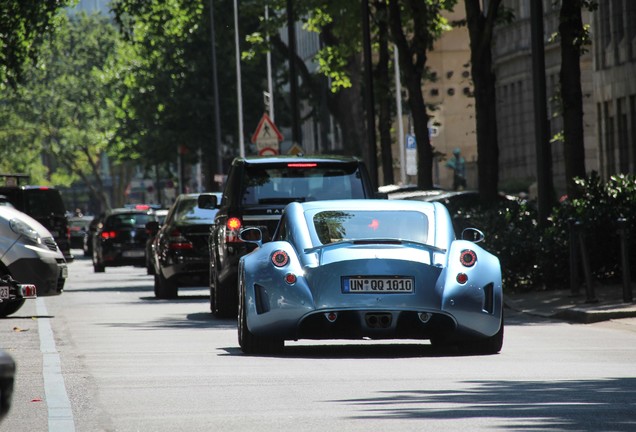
{"x":189,"y":211}
{"x":301,"y":182}
{"x":338,"y":225}
{"x":129,"y":220}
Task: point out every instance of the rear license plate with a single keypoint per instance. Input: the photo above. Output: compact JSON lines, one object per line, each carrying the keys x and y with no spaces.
{"x":4,"y":292}
{"x":133,"y":254}
{"x":377,"y":284}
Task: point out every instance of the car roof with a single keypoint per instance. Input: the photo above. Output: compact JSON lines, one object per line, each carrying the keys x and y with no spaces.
{"x":127,"y":210}
{"x":369,"y":205}
{"x":255,"y":160}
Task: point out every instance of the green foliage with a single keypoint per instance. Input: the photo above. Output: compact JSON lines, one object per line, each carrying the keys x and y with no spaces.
{"x":59,"y":111}
{"x":539,"y":258}
{"x":597,"y":211}
{"x":23,"y":25}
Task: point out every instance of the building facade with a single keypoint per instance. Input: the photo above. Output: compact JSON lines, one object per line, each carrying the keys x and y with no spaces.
{"x":608,"y":75}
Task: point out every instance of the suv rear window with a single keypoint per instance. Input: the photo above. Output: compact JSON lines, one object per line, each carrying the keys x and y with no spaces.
{"x":300,"y":182}
{"x":43,"y":202}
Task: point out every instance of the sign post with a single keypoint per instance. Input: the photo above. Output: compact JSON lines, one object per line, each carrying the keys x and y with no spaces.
{"x":267,"y":137}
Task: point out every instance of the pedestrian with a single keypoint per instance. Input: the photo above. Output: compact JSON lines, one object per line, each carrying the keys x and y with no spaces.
{"x":458,"y":165}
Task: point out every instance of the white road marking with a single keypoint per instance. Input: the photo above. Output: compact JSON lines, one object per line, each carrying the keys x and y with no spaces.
{"x":59,"y":405}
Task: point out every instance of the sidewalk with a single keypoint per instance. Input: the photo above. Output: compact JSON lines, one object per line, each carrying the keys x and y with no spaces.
{"x":560,"y":304}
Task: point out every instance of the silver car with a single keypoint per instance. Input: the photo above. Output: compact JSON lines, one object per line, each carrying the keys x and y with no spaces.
{"x":28,"y":256}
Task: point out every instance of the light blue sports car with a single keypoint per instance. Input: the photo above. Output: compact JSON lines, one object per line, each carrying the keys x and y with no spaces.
{"x":378,"y":269}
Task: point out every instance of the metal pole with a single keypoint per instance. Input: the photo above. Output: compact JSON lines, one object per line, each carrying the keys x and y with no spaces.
{"x":215,"y":87}
{"x":293,"y":79}
{"x":270,"y":87}
{"x":398,"y":104}
{"x":239,"y":91}
{"x":627,"y":279}
{"x":574,"y":258}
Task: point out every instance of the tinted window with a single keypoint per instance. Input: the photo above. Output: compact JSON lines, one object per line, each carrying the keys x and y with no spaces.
{"x":188,"y":211}
{"x":43,"y":202}
{"x":304,"y":182}
{"x":333,"y":226}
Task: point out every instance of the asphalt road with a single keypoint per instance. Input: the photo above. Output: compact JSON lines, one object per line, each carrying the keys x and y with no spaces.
{"x":107,"y":356}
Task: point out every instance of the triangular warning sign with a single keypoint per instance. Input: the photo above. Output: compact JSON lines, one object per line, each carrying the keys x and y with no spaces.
{"x":266,"y":132}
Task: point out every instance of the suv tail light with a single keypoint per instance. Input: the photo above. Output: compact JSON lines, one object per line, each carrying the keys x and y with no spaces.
{"x":232,"y":230}
{"x":177,"y":241}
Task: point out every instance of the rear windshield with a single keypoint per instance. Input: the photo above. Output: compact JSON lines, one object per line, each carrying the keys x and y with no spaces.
{"x":43,"y":202}
{"x":189,"y":211}
{"x":301,"y":182}
{"x":334,"y":226}
{"x":124,"y":220}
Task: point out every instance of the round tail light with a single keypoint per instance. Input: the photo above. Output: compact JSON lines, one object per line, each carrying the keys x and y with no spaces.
{"x":468,"y":258}
{"x":280,"y":258}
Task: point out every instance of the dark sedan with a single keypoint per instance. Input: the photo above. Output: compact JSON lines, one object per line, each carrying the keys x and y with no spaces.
{"x":180,"y":252}
{"x":120,"y":239}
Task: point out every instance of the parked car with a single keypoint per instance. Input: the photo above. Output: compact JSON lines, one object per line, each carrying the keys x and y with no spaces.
{"x":29,"y":255}
{"x":120,"y":238}
{"x":256,"y":191}
{"x":180,"y":252}
{"x":45,"y":205}
{"x":373,"y":269}
{"x":7,"y":377}
{"x":152,"y":234}
{"x":78,"y":226}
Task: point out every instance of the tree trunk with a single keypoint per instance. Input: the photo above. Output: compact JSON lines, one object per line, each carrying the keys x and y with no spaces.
{"x":412,"y":64}
{"x":571,"y":30}
{"x":480,"y":29}
{"x":383,"y":93}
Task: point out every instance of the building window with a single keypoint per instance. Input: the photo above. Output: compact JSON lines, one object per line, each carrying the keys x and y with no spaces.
{"x":623,"y":144}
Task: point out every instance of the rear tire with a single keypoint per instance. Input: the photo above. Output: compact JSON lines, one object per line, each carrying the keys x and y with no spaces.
{"x":250,"y":343}
{"x":9,"y":307}
{"x":485,"y":346}
{"x":224,"y":297}
{"x":164,"y":288}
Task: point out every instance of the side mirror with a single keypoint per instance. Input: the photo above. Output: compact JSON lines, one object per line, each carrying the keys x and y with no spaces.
{"x":252,"y":235}
{"x":152,"y":227}
{"x":207,"y":201}
{"x":473,"y":235}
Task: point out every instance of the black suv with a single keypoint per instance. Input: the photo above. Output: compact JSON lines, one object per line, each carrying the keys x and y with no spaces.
{"x":120,"y":238}
{"x":43,"y":204}
{"x":256,"y":192}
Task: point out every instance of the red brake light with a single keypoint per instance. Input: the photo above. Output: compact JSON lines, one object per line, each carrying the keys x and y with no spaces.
{"x":142,"y":207}
{"x":462,"y":278}
{"x":280,"y":258}
{"x":109,"y":234}
{"x":290,"y":278}
{"x":302,"y":165}
{"x":468,"y":258}
{"x":234,"y":223}
{"x":178,"y":241}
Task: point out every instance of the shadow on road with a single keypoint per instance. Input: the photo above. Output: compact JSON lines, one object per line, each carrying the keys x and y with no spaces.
{"x":582,"y":405}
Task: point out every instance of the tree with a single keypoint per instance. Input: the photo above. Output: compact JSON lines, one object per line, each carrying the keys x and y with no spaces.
{"x":64,"y":106}
{"x":23,"y":24}
{"x":481,"y":24}
{"x":574,"y":37}
{"x":169,"y":89}
{"x":414,"y":27}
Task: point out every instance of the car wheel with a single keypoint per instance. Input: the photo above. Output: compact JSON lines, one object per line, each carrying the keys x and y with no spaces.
{"x":225,"y":297}
{"x":165,"y":288}
{"x":9,"y":307}
{"x":250,"y":343}
{"x":490,"y":345}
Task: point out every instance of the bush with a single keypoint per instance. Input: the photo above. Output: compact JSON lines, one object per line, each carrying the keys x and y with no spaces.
{"x":533,"y":257}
